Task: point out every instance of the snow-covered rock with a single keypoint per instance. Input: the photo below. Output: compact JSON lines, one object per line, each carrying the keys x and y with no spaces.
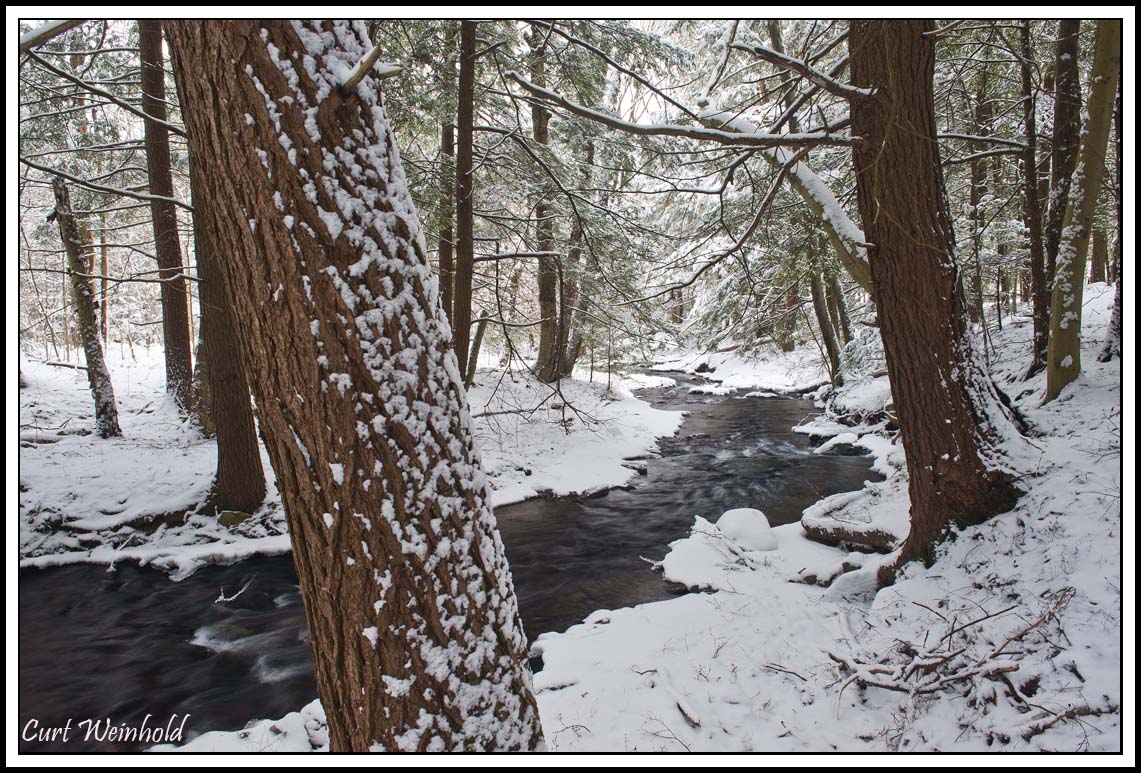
{"x":748,"y":527}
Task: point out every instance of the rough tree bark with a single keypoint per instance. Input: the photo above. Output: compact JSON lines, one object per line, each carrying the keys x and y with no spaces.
{"x":239,"y":480}
{"x":951,"y":419}
{"x":1064,"y":353}
{"x":465,"y":213}
{"x":98,"y":378}
{"x":175,"y":311}
{"x":412,"y":615}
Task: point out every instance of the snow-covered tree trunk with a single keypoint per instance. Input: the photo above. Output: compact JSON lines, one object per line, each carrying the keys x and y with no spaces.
{"x":98,"y":378}
{"x":175,"y":310}
{"x":1111,"y":347}
{"x":1064,"y":354}
{"x":950,"y":416}
{"x":1063,"y":155}
{"x":412,"y":614}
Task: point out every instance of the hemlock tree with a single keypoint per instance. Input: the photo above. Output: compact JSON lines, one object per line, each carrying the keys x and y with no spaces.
{"x":175,"y":311}
{"x":239,"y":480}
{"x":413,"y":618}
{"x":1064,"y":355}
{"x":950,"y":415}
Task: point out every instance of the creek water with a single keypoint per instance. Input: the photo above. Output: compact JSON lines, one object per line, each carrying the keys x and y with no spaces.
{"x":117,"y":645}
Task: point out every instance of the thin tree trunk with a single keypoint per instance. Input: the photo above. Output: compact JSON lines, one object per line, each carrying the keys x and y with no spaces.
{"x":175,"y":316}
{"x":1031,"y":207}
{"x":465,"y":214}
{"x":412,"y":614}
{"x":978,"y":190}
{"x":836,"y":293}
{"x":951,"y":419}
{"x":1099,"y":256}
{"x":1065,"y":139}
{"x":1064,"y":354}
{"x":1112,"y":346}
{"x":98,"y":377}
{"x":547,"y":364}
{"x":447,"y":208}
{"x":473,"y":359}
{"x":820,"y":306}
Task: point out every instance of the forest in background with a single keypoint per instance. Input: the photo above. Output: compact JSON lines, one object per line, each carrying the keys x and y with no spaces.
{"x":583,"y":194}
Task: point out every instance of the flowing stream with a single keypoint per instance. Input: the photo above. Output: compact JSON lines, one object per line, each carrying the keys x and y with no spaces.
{"x":119,"y":645}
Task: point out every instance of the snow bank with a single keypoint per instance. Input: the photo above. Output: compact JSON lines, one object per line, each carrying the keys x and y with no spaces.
{"x":83,"y":499}
{"x":754,"y":666}
{"x":765,"y":369}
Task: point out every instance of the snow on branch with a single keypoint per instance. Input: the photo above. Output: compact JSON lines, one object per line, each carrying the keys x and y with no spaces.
{"x":802,"y":68}
{"x":981,"y":138}
{"x":106,"y":188}
{"x":93,"y":89}
{"x":44,"y":33}
{"x":351,"y":78}
{"x":754,"y":140}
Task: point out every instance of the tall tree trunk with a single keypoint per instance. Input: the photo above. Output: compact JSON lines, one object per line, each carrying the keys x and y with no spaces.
{"x":547,"y":364}
{"x":951,"y":419}
{"x":1099,"y":256}
{"x":836,"y":298}
{"x":412,"y":615}
{"x":820,"y":306}
{"x":571,"y":293}
{"x":1112,"y":346}
{"x":1066,"y":137}
{"x":175,"y":314}
{"x":1031,"y":206}
{"x":465,"y":213}
{"x":1064,"y":355}
{"x":977,"y":191}
{"x":447,"y":209}
{"x":98,"y":378}
{"x":239,"y":480}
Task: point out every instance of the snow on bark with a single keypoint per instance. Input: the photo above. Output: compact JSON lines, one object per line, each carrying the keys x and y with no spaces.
{"x":359,"y":392}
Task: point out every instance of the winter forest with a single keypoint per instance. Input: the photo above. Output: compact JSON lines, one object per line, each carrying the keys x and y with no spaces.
{"x":572,"y":385}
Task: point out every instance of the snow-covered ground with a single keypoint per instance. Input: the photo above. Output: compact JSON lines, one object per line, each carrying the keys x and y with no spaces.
{"x":1010,"y":641}
{"x":83,"y":499}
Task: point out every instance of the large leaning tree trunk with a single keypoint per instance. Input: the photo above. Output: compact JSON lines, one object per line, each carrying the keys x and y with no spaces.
{"x":951,"y":418}
{"x":1064,"y":354}
{"x":412,"y":614}
{"x":175,"y":310}
{"x":98,"y":378}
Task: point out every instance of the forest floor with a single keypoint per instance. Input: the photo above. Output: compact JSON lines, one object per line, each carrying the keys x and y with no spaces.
{"x":86,"y":499}
{"x":1011,"y":640}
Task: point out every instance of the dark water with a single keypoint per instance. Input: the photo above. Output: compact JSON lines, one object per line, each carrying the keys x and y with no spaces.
{"x":118,"y":645}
